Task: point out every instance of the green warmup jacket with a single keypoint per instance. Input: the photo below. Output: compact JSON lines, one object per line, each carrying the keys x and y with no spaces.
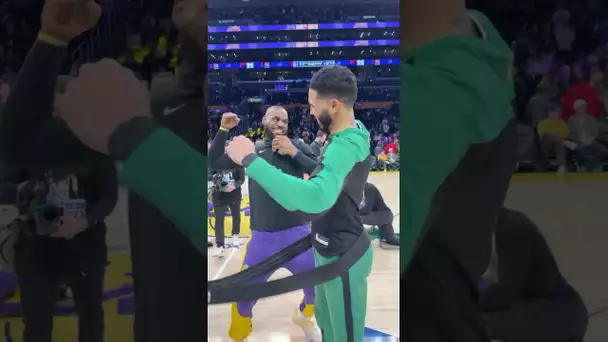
{"x":458,"y":140}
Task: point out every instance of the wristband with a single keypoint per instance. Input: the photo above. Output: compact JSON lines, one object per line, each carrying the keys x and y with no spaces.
{"x":224,"y":129}
{"x":294,"y":154}
{"x":47,"y":38}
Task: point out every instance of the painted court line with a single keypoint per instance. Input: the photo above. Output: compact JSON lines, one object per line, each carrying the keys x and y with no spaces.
{"x":224,"y":265}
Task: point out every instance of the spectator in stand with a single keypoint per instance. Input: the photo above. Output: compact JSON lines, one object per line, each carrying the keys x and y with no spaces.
{"x":541,"y":104}
{"x":583,"y":90}
{"x":317,"y":144}
{"x":392,"y":159}
{"x":378,"y":149}
{"x":584,"y":132}
{"x":552,"y":132}
{"x":391,"y":146}
{"x":564,"y":37}
{"x":382,"y":161}
{"x":386,"y":128}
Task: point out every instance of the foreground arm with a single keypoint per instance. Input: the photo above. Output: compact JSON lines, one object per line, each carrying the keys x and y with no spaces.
{"x":166,"y":171}
{"x":320,"y":192}
{"x":305,"y":158}
{"x":29,"y":134}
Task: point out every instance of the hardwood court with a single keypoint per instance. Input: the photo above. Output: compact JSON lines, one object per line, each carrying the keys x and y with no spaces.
{"x":272,"y":316}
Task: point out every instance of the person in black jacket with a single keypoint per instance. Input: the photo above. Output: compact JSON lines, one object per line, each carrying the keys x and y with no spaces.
{"x":375,"y":212}
{"x":318,"y":143}
{"x":59,"y":241}
{"x":169,"y":305}
{"x":529,"y":300}
{"x":227,"y":193}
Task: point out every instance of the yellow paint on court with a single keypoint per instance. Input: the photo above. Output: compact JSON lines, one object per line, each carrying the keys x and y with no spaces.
{"x":245,"y":222}
{"x":119,"y":328}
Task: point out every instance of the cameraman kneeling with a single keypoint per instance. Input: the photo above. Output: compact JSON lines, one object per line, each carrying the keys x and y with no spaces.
{"x":226,"y":193}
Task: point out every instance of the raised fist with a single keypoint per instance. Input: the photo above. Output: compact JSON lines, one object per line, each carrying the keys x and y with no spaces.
{"x":101,"y":98}
{"x":229,"y":120}
{"x":67,"y":19}
{"x":190,"y":16}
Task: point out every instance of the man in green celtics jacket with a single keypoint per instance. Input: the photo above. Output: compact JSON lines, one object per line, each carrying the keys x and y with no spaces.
{"x":331,"y":197}
{"x":164,"y":169}
{"x":457,"y":149}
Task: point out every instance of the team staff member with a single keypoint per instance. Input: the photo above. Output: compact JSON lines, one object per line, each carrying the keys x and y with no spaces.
{"x":168,"y":305}
{"x":226,"y":193}
{"x":272,"y":227}
{"x":374,"y":212}
{"x":68,"y":248}
{"x":455,"y":181}
{"x":318,"y":143}
{"x":531,"y":301}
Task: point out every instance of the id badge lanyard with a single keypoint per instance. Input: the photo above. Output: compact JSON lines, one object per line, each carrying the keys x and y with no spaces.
{"x":72,"y":204}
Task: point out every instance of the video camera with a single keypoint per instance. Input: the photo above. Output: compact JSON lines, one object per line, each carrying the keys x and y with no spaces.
{"x":221,"y":181}
{"x":34,"y":202}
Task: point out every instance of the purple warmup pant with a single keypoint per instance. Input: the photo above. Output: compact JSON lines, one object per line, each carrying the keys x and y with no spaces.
{"x":8,"y":285}
{"x":263,"y":245}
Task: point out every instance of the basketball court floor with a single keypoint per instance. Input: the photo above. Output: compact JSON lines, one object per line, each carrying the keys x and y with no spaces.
{"x":272,"y":316}
{"x":570,"y":211}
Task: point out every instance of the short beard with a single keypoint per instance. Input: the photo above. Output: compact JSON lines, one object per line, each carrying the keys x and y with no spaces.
{"x":268,"y":133}
{"x":325,"y":120}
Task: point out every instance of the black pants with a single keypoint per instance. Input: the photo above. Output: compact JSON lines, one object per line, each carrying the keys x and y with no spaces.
{"x":439,"y":303}
{"x":221,"y":202}
{"x":384,"y":221}
{"x":558,"y":319}
{"x":168,"y":275}
{"x":43,"y":263}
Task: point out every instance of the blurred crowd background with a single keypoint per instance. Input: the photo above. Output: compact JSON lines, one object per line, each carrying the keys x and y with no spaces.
{"x":265,"y":55}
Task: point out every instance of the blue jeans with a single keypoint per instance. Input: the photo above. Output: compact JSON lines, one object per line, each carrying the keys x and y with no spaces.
{"x":593,"y":155}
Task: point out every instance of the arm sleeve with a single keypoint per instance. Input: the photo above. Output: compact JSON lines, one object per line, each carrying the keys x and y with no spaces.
{"x":513,"y":247}
{"x":378,"y":201}
{"x":29,"y":135}
{"x":218,"y":160}
{"x":166,"y":171}
{"x":375,"y":211}
{"x":305,"y":158}
{"x":107,"y":185}
{"x":319,"y":193}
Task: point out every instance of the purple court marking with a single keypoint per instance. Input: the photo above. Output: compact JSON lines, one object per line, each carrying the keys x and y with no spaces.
{"x":126,"y":306}
{"x":14,"y":309}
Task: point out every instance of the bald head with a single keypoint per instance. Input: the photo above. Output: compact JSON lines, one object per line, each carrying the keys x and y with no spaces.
{"x":275,"y":121}
{"x":275,"y":110}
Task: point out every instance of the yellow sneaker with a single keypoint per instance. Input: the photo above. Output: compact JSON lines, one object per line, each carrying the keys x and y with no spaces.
{"x":308,"y":325}
{"x":240,"y":327}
